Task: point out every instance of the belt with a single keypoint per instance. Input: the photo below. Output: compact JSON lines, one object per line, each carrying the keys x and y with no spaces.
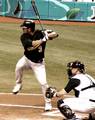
{"x":91,"y":100}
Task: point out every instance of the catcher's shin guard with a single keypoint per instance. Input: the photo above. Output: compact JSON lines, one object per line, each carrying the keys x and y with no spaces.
{"x":65,"y":110}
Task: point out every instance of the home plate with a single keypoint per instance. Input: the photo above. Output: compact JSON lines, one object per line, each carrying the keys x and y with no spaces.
{"x":55,"y":113}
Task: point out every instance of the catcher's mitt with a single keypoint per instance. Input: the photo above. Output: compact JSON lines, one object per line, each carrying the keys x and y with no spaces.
{"x":51,"y":92}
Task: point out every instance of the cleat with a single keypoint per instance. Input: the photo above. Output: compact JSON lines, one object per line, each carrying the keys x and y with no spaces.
{"x":48,"y":106}
{"x":17,"y":88}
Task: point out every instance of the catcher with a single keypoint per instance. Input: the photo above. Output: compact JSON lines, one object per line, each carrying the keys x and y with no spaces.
{"x":84,"y":89}
{"x":34,"y":43}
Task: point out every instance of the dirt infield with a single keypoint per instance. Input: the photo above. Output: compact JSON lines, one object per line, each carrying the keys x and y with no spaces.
{"x":27,"y":107}
{"x":24,"y":107}
{"x":16,"y":20}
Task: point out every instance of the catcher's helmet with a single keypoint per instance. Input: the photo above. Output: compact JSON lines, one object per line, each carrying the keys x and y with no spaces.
{"x":76,"y":64}
{"x":28,"y":24}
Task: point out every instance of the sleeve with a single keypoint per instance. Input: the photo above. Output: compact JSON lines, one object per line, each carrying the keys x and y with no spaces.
{"x":26,"y":41}
{"x":73,"y":82}
{"x":38,"y":34}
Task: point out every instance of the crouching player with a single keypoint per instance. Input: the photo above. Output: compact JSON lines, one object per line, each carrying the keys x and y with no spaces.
{"x":84,"y":89}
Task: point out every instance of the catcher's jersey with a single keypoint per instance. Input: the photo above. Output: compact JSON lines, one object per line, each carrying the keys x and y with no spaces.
{"x":37,"y":54}
{"x":84,"y":87}
{"x":81,"y":84}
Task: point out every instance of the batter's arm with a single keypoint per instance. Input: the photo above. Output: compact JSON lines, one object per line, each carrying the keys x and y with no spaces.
{"x":51,"y":34}
{"x":36,"y":43}
{"x":38,"y":38}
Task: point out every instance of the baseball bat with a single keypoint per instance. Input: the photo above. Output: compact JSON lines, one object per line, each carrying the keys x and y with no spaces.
{"x":17,"y":9}
{"x":36,"y":12}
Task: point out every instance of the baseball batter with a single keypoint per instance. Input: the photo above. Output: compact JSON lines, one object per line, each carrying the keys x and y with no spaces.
{"x":84,"y":89}
{"x":34,"y":43}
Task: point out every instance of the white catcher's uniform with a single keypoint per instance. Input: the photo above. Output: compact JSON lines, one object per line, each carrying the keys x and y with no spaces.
{"x":85,"y":100}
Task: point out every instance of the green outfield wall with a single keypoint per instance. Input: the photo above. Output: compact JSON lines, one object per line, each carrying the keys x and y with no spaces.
{"x":50,"y":10}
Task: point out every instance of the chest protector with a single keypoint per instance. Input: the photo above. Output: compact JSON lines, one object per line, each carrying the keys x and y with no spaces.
{"x":86,"y":88}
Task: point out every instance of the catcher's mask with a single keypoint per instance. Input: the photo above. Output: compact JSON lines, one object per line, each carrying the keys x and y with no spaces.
{"x":75,"y":64}
{"x":28,"y":24}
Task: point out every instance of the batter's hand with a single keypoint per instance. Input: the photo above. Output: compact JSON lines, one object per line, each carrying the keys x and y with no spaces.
{"x":51,"y":34}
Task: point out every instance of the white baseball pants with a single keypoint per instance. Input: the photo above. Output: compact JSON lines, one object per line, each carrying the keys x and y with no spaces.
{"x":37,"y":68}
{"x":80,"y":104}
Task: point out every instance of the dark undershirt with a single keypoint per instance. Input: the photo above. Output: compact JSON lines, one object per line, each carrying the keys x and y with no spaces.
{"x":73,"y":82}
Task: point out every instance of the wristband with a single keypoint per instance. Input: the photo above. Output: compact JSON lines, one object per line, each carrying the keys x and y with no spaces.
{"x":44,"y":39}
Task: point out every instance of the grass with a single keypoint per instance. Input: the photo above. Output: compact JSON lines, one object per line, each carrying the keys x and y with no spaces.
{"x":74,"y":42}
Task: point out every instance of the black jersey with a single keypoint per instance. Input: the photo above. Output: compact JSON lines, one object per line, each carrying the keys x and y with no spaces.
{"x":35,"y":55}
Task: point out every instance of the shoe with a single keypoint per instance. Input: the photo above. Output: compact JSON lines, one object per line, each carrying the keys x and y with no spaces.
{"x":17,"y":88}
{"x":48,"y":106}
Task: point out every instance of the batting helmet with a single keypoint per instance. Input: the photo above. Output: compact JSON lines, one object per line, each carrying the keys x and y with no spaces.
{"x":28,"y":24}
{"x":76,"y":64}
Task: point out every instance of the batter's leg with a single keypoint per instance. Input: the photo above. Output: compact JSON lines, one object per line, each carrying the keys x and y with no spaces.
{"x":40,"y":73}
{"x":20,"y":66}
